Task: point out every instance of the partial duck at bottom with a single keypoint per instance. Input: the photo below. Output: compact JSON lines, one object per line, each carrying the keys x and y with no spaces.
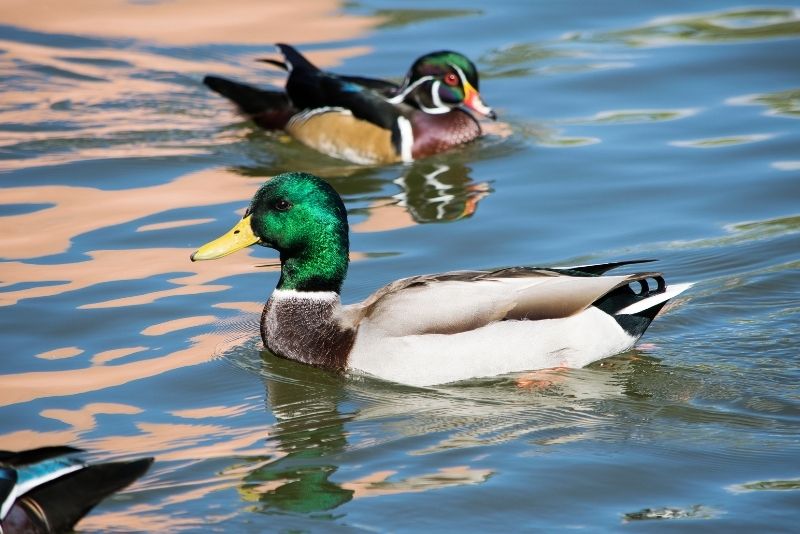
{"x":429,"y":329}
{"x":50,"y":489}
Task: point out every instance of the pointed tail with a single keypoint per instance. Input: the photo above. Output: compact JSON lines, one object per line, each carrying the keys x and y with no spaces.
{"x":295,"y":61}
{"x":269,"y":109}
{"x":636,"y":317}
{"x":63,"y":502}
{"x":251,"y":100}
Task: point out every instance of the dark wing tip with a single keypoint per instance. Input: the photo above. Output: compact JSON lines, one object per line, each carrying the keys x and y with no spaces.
{"x":66,"y":500}
{"x":601,"y":268}
{"x":276,"y":62}
{"x":212,"y":81}
{"x":140,"y":466}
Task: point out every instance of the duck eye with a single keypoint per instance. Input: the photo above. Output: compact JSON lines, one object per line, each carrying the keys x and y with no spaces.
{"x":451,"y":79}
{"x":283,"y":205}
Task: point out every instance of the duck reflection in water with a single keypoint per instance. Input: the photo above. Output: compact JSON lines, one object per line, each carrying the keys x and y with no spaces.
{"x":310,"y":431}
{"x":431,"y":191}
{"x":313,"y":408}
{"x":439,"y":193}
{"x":317,"y":413}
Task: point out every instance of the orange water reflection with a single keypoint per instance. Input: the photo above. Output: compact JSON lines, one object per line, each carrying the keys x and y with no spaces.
{"x":116,"y":265}
{"x":114,"y":354}
{"x":211,"y":411}
{"x":24,"y":387}
{"x":135,"y":264}
{"x":190,"y":21}
{"x":94,"y":103}
{"x":178,"y":324}
{"x":172,"y":224}
{"x":384,"y":216}
{"x":78,"y":210}
{"x":60,"y":354}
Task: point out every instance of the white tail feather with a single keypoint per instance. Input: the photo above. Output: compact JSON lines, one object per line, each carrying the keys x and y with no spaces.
{"x":644,"y":304}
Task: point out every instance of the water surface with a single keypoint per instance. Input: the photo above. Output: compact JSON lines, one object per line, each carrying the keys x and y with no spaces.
{"x":627,"y":130}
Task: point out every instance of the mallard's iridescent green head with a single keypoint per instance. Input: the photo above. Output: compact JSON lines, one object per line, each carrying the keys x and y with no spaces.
{"x":303,"y":218}
{"x":442,"y":80}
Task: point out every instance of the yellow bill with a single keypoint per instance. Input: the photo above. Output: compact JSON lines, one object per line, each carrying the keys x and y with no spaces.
{"x":237,"y":238}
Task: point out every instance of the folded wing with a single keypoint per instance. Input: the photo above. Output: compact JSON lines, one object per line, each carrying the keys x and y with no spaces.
{"x":461,"y":301}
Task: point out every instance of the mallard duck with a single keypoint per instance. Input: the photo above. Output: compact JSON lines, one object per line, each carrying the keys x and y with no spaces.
{"x":367,"y":120}
{"x":50,"y":489}
{"x":429,"y":329}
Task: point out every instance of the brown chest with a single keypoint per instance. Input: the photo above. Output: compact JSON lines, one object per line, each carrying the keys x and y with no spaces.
{"x":437,"y":133}
{"x":307,"y":331}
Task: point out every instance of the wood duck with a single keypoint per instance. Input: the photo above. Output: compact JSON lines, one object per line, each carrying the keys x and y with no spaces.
{"x":50,"y":489}
{"x":367,"y":120}
{"x":430,"y":329}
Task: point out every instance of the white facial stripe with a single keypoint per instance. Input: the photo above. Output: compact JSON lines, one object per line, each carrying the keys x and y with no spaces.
{"x":433,"y":111}
{"x":435,"y":94}
{"x":397,"y":99}
{"x":460,"y":74}
{"x":440,"y":106}
{"x":406,"y":139}
{"x":478,"y":104}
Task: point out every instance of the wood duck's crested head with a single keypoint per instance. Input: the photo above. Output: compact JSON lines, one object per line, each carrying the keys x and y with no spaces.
{"x":304,"y":219}
{"x":443,"y":80}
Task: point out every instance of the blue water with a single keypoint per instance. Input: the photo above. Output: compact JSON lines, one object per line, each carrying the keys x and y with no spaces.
{"x":627,"y":130}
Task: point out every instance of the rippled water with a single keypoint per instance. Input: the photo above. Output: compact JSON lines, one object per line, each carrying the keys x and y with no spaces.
{"x":627,"y":130}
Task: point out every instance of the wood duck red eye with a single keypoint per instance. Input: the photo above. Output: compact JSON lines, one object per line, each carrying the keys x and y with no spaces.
{"x":451,"y":79}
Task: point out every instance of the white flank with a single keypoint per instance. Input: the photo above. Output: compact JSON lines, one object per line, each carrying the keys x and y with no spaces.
{"x":406,"y":139}
{"x":498,"y":348}
{"x":25,"y":485}
{"x":671,"y":291}
{"x":293,"y":294}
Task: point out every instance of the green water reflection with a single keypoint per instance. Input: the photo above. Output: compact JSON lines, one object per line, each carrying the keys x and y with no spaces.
{"x":393,"y":18}
{"x":782,"y":103}
{"x":310,"y":432}
{"x":317,"y":412}
{"x":720,"y":27}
